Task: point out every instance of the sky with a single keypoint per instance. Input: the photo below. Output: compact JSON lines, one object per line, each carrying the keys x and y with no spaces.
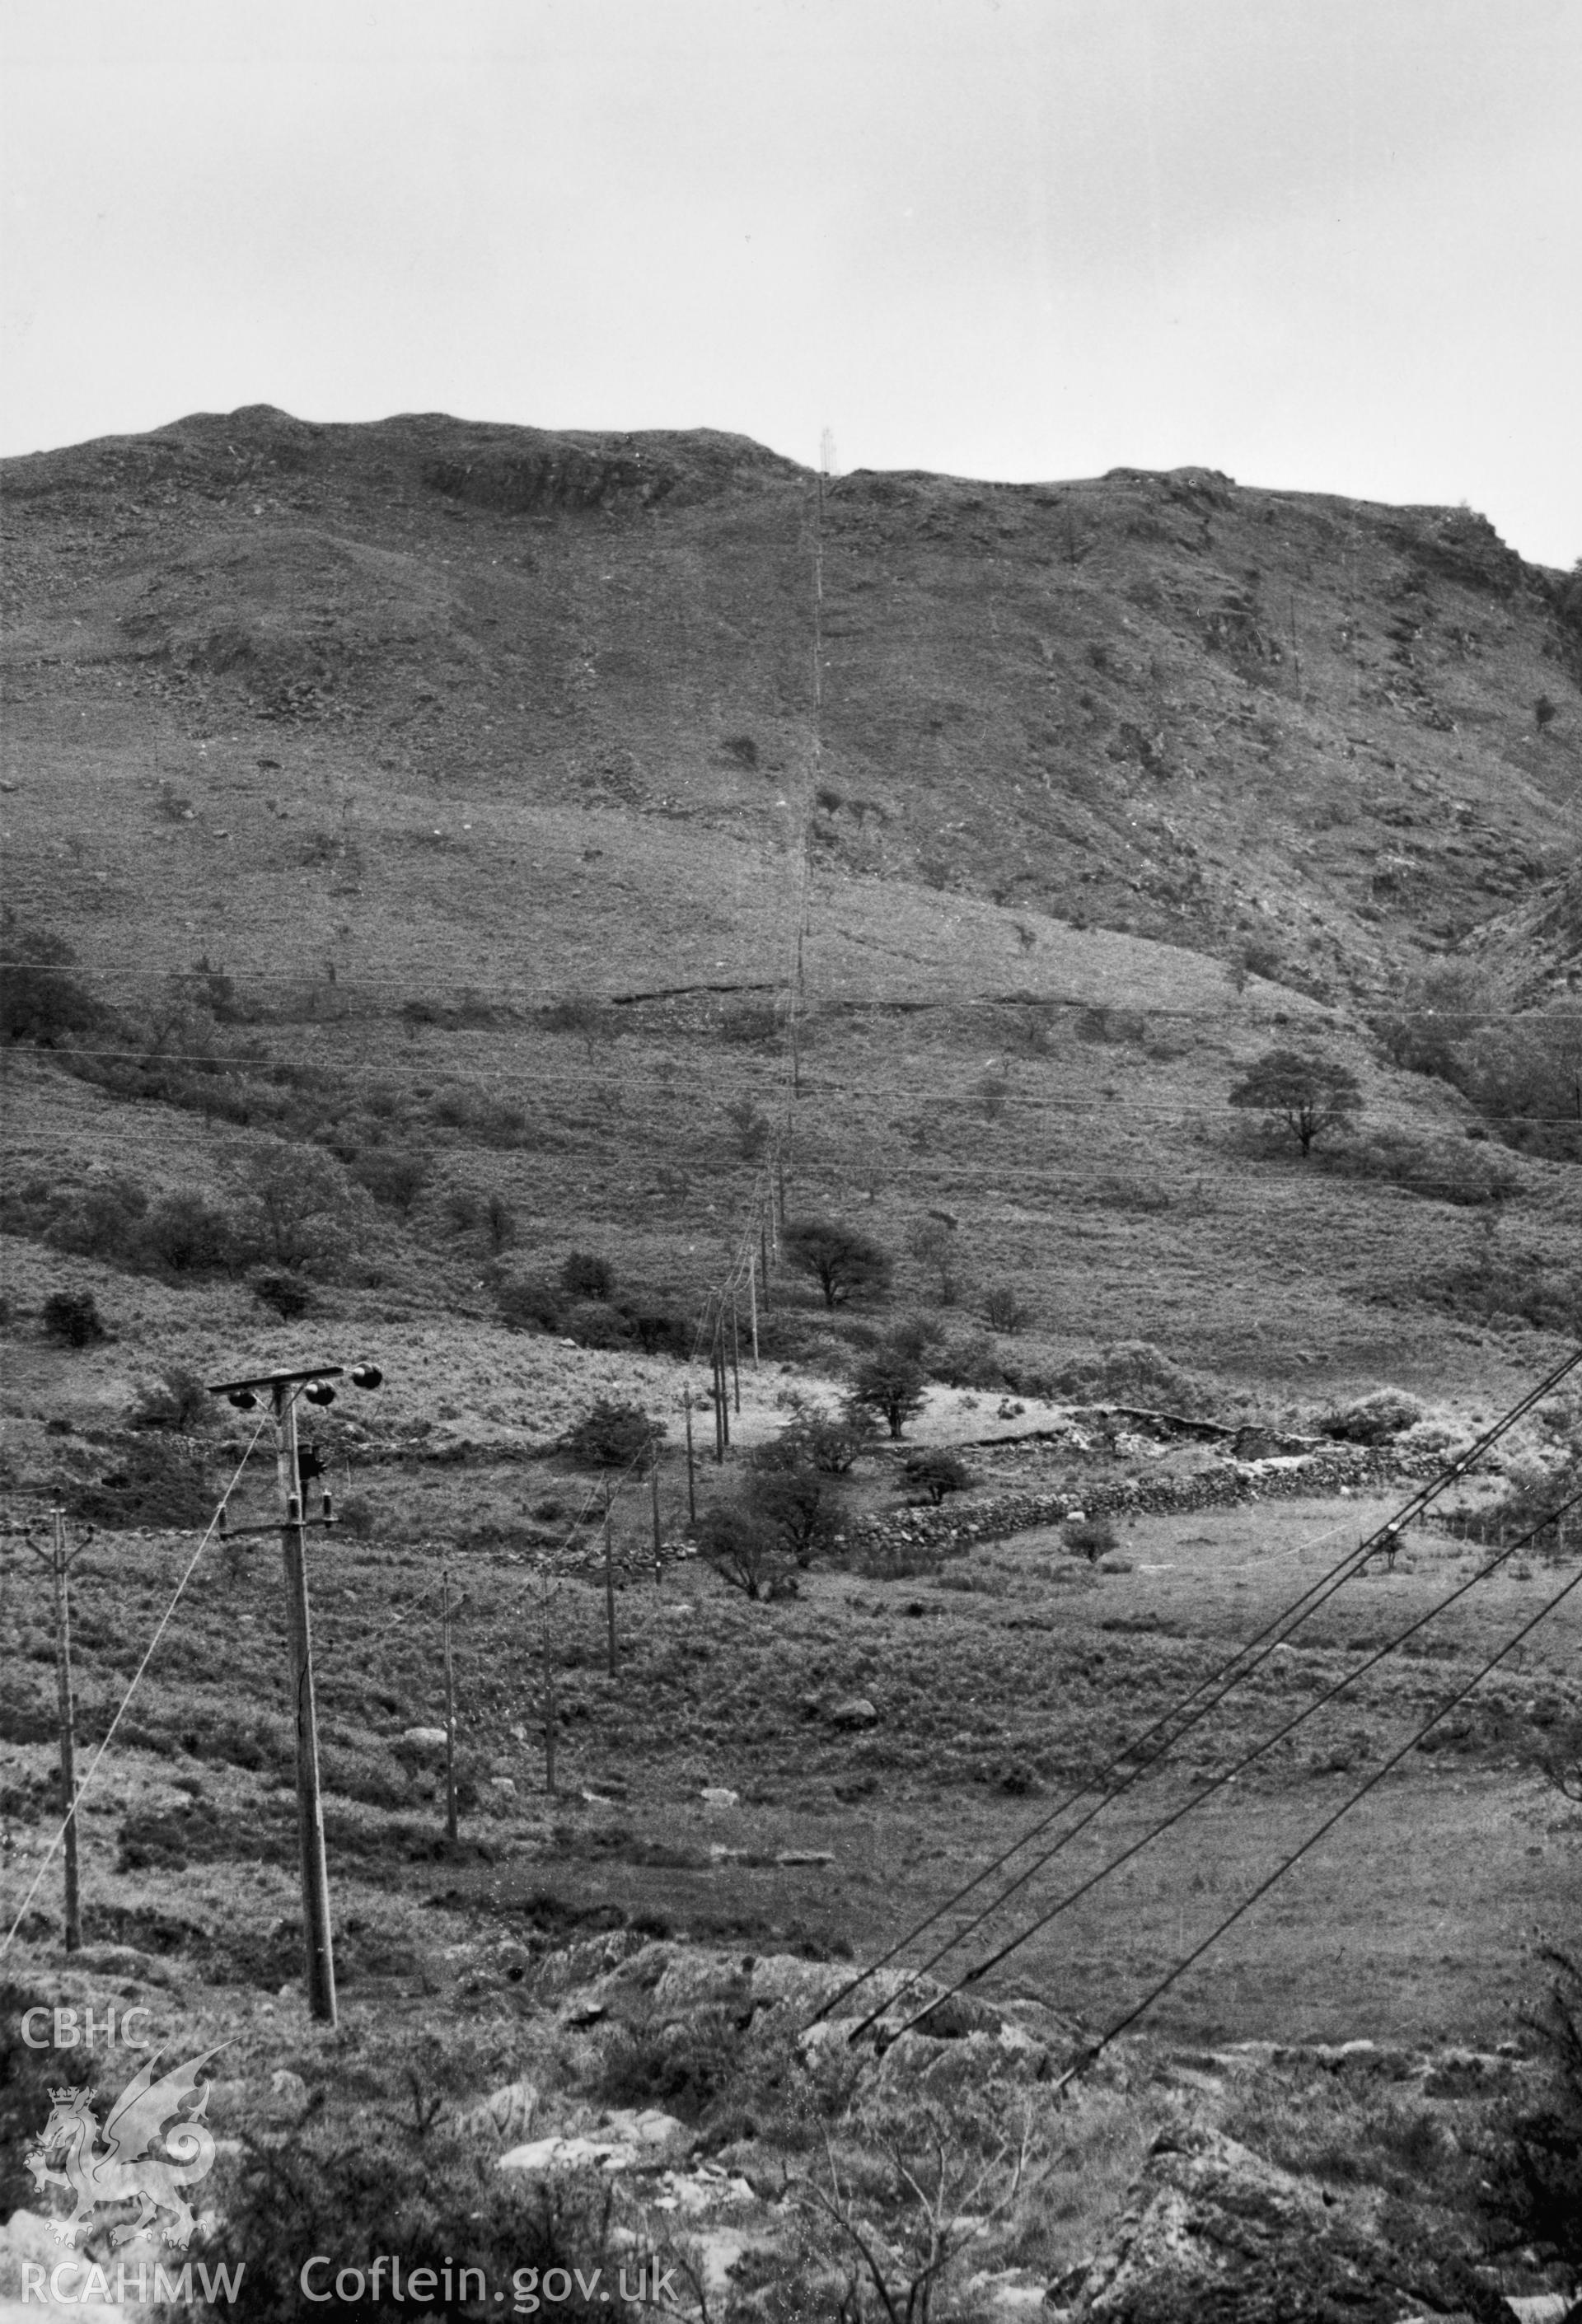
{"x":1322,"y":245}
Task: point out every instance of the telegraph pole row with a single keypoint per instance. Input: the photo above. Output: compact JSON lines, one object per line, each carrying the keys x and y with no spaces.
{"x":283,"y":1389}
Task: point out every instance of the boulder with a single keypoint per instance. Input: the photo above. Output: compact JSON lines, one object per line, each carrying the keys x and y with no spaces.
{"x":719,"y":1795}
{"x":855,"y":1711}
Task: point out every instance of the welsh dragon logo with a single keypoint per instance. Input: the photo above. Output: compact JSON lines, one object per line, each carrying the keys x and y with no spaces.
{"x":126,"y":2169}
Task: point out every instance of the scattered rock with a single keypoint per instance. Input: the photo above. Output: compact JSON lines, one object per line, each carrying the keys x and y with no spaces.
{"x":505,"y":2113}
{"x":288,"y":2093}
{"x":855,"y":1711}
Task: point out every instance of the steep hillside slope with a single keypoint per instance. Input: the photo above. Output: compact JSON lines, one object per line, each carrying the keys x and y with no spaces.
{"x":410,"y":729}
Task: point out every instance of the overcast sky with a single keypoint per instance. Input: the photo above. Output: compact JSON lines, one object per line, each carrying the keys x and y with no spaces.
{"x":1327,"y":243}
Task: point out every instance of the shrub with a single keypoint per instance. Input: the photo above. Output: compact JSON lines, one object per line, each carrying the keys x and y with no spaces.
{"x":39,"y":1002}
{"x":969,"y":1361}
{"x":106,"y":1221}
{"x":593,"y":1323}
{"x":584,"y":1275}
{"x":937,"y":1471}
{"x":1437,"y":1010}
{"x":373,"y":2171}
{"x":1533,"y":2192}
{"x":188,"y":1236}
{"x":660,"y":1334}
{"x":73,"y":1318}
{"x":743,"y":749}
{"x":830,"y":1444}
{"x":393,"y":1175}
{"x":177,"y":1400}
{"x":500,"y":1222}
{"x":528,"y":1304}
{"x":1090,"y":1537}
{"x":614,"y":1435}
{"x":287,"y":1294}
{"x":1444,"y":1170}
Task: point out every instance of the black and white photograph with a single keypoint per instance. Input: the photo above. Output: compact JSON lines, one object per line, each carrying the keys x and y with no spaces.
{"x":791,"y":1161}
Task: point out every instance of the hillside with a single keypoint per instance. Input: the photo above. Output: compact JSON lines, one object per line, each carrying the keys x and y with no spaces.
{"x":414,"y":728}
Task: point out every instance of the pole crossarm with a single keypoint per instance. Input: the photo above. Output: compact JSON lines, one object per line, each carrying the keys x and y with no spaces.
{"x":277,"y":1379}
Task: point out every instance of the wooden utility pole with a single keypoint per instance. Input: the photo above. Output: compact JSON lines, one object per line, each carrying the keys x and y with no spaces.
{"x":546,"y":1677}
{"x":735,"y":1354}
{"x":450,"y":1830}
{"x":61,"y":1564}
{"x":293,"y":1544}
{"x":764,"y":1260}
{"x":283,"y":1388}
{"x":654,"y":1496}
{"x":609,"y":1581}
{"x":753,"y":1303}
{"x":691,"y":1475}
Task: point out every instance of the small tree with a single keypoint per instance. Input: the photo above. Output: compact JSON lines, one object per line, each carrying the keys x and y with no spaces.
{"x":841,"y":1258}
{"x":892,"y":1384}
{"x":1308,"y":1093}
{"x":614,"y":1435}
{"x":304,"y":1205}
{"x":934,"y":1246}
{"x":590,"y":1019}
{"x":937,"y":1471}
{"x":751,"y":1128}
{"x":785,"y":1489}
{"x":743,"y":1547}
{"x":1004,"y":1309}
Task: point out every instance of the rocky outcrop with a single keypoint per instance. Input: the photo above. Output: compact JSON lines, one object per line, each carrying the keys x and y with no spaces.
{"x":1217,"y":2236}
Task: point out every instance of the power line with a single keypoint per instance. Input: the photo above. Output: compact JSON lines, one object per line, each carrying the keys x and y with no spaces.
{"x":136,"y":1678}
{"x":1096,"y":2051}
{"x":1228,"y":1775}
{"x":1226,"y":1675}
